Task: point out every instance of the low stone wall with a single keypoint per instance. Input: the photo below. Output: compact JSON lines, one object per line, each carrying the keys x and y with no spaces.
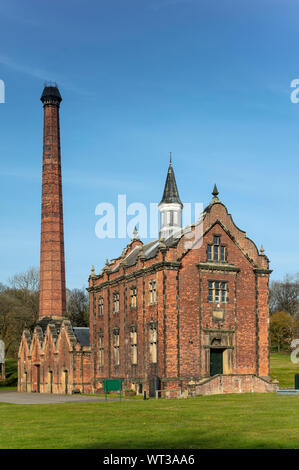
{"x":232,"y":383}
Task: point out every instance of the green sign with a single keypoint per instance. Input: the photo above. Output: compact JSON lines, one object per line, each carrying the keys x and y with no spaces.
{"x":113,"y":385}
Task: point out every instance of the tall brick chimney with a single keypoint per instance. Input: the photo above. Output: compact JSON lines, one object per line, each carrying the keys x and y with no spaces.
{"x":52,"y":298}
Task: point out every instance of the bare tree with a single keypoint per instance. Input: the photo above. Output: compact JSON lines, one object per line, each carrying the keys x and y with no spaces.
{"x":26,"y":281}
{"x":77,"y":307}
{"x":284,"y":295}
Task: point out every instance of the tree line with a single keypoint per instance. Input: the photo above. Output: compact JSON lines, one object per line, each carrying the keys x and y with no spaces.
{"x":19,"y":303}
{"x":19,"y":309}
{"x":284,"y":312}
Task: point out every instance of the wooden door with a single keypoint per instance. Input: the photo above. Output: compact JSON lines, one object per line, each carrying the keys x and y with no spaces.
{"x":216,"y":361}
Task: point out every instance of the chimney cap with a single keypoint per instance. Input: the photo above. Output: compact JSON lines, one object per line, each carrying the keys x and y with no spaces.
{"x":51,"y":93}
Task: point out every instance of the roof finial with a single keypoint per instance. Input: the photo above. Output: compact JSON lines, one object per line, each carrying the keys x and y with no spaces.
{"x":215,"y":191}
{"x":215,"y":194}
{"x":106,"y":267}
{"x":141,"y":253}
{"x":262,"y":250}
{"x":170,"y":158}
{"x":135,"y":233}
{"x":92,"y":274}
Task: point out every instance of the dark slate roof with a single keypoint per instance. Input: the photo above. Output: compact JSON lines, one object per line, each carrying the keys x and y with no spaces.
{"x":51,"y":92}
{"x":43,"y":323}
{"x":171,"y":194}
{"x":82,"y":335}
{"x":149,"y":251}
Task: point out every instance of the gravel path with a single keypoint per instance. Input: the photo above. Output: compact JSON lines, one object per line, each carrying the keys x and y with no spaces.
{"x":11,"y":396}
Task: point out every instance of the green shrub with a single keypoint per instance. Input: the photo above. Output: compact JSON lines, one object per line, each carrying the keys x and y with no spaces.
{"x":11,"y":373}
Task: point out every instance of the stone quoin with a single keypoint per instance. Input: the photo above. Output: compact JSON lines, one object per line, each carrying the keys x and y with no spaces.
{"x":168,"y":317}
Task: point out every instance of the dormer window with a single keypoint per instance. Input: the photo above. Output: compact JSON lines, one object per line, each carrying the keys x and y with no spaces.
{"x":216,"y":251}
{"x":216,"y":240}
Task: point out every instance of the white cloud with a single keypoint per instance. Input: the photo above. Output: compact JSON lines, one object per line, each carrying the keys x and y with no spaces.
{"x":42,"y":74}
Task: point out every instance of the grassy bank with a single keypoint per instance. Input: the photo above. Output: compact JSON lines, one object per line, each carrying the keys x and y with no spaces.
{"x":223,"y":421}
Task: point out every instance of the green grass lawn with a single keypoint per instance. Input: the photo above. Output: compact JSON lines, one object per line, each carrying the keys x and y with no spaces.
{"x":228,"y":421}
{"x":248,"y":421}
{"x":284,"y":369}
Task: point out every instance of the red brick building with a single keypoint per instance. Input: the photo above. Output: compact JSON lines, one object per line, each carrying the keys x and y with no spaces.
{"x":187,"y":313}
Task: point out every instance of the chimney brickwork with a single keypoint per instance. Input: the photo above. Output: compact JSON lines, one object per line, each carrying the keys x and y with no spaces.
{"x":52,"y":301}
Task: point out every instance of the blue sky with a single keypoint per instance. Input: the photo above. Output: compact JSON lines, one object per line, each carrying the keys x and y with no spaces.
{"x":208,"y":80}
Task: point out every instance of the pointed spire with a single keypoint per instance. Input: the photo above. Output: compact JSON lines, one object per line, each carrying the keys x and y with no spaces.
{"x":171,"y":194}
